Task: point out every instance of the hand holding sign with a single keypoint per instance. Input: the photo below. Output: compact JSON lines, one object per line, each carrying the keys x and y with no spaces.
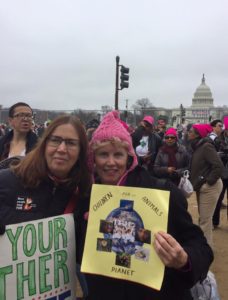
{"x":170,"y":251}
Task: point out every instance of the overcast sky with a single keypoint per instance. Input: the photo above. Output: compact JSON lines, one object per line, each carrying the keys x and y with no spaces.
{"x":61,"y":54}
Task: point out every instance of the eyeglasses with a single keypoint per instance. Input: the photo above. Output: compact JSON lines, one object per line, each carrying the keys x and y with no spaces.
{"x":170,"y":137}
{"x":23,"y":116}
{"x":55,"y":141}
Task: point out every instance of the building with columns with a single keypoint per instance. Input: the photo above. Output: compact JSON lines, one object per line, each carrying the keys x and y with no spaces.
{"x":202,"y":109}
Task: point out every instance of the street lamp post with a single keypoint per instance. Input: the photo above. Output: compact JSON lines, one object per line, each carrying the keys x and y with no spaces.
{"x":117,"y":83}
{"x":126,"y":113}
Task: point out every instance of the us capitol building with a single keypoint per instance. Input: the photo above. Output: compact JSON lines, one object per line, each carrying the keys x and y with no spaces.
{"x":202,"y":109}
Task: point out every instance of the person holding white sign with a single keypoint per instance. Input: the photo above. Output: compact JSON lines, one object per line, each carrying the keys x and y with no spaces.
{"x":47,"y":182}
{"x":183,"y":249}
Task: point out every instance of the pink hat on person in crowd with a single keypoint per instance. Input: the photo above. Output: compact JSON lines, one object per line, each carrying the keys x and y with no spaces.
{"x":203,"y":129}
{"x":149,"y":119}
{"x":124,"y":124}
{"x":171,"y":131}
{"x":225,"y":122}
{"x":109,"y":129}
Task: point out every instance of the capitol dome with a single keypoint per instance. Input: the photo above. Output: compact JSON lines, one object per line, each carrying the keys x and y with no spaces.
{"x":202,"y":96}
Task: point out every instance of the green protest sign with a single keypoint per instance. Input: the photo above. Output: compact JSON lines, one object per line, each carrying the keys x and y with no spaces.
{"x":37,"y":260}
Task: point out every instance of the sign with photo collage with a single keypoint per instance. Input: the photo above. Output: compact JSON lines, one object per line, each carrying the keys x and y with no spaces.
{"x":121,"y":226}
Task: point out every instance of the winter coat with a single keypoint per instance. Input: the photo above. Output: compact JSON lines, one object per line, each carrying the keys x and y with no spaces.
{"x":31,"y":140}
{"x":161,"y":163}
{"x":176,"y":283}
{"x":154,"y":143}
{"x":18,"y":204}
{"x":223,"y":152}
{"x":206,"y":165}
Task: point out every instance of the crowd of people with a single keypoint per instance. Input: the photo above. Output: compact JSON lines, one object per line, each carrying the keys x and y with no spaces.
{"x":55,"y":172}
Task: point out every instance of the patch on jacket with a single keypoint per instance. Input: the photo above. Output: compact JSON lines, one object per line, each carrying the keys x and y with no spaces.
{"x":25,"y":203}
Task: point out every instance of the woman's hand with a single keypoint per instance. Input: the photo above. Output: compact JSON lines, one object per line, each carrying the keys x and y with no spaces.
{"x":147,"y":158}
{"x":171,"y":170}
{"x":170,"y":251}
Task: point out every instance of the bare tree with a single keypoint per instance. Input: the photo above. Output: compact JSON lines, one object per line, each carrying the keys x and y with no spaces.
{"x":143,"y":103}
{"x":84,"y":115}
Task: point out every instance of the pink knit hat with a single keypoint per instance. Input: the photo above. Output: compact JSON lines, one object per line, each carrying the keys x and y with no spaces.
{"x":171,"y":131}
{"x":109,"y":128}
{"x":225,"y":122}
{"x":202,"y":129}
{"x":124,"y":124}
{"x":149,"y":119}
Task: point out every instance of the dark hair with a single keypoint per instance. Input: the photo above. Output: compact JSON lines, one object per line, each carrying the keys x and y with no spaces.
{"x":94,"y":123}
{"x":214,"y":122}
{"x":33,"y":168}
{"x":12,"y":108}
{"x":189,"y":126}
{"x":196,"y":132}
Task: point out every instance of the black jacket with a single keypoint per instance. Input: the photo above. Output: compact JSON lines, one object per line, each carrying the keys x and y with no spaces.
{"x":154,"y":143}
{"x":18,"y":204}
{"x":176,"y":284}
{"x":31,"y":140}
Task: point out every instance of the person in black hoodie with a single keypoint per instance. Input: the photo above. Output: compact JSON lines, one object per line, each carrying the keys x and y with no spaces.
{"x":183,"y":249}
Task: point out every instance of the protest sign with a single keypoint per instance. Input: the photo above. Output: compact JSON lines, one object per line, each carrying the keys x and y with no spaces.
{"x":121,"y":226}
{"x":37,"y":260}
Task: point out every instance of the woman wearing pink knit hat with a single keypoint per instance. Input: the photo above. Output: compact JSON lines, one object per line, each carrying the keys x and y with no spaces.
{"x":206,"y":171}
{"x":183,"y":249}
{"x":172,"y":159}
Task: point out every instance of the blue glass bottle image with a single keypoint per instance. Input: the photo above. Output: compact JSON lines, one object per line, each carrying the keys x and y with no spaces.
{"x":127,"y":229}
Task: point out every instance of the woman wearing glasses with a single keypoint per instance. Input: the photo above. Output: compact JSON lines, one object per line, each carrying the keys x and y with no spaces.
{"x":172,"y":159}
{"x":46,"y":181}
{"x":20,"y":140}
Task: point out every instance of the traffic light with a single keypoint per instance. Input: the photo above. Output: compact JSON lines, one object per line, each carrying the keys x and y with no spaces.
{"x":124,"y":77}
